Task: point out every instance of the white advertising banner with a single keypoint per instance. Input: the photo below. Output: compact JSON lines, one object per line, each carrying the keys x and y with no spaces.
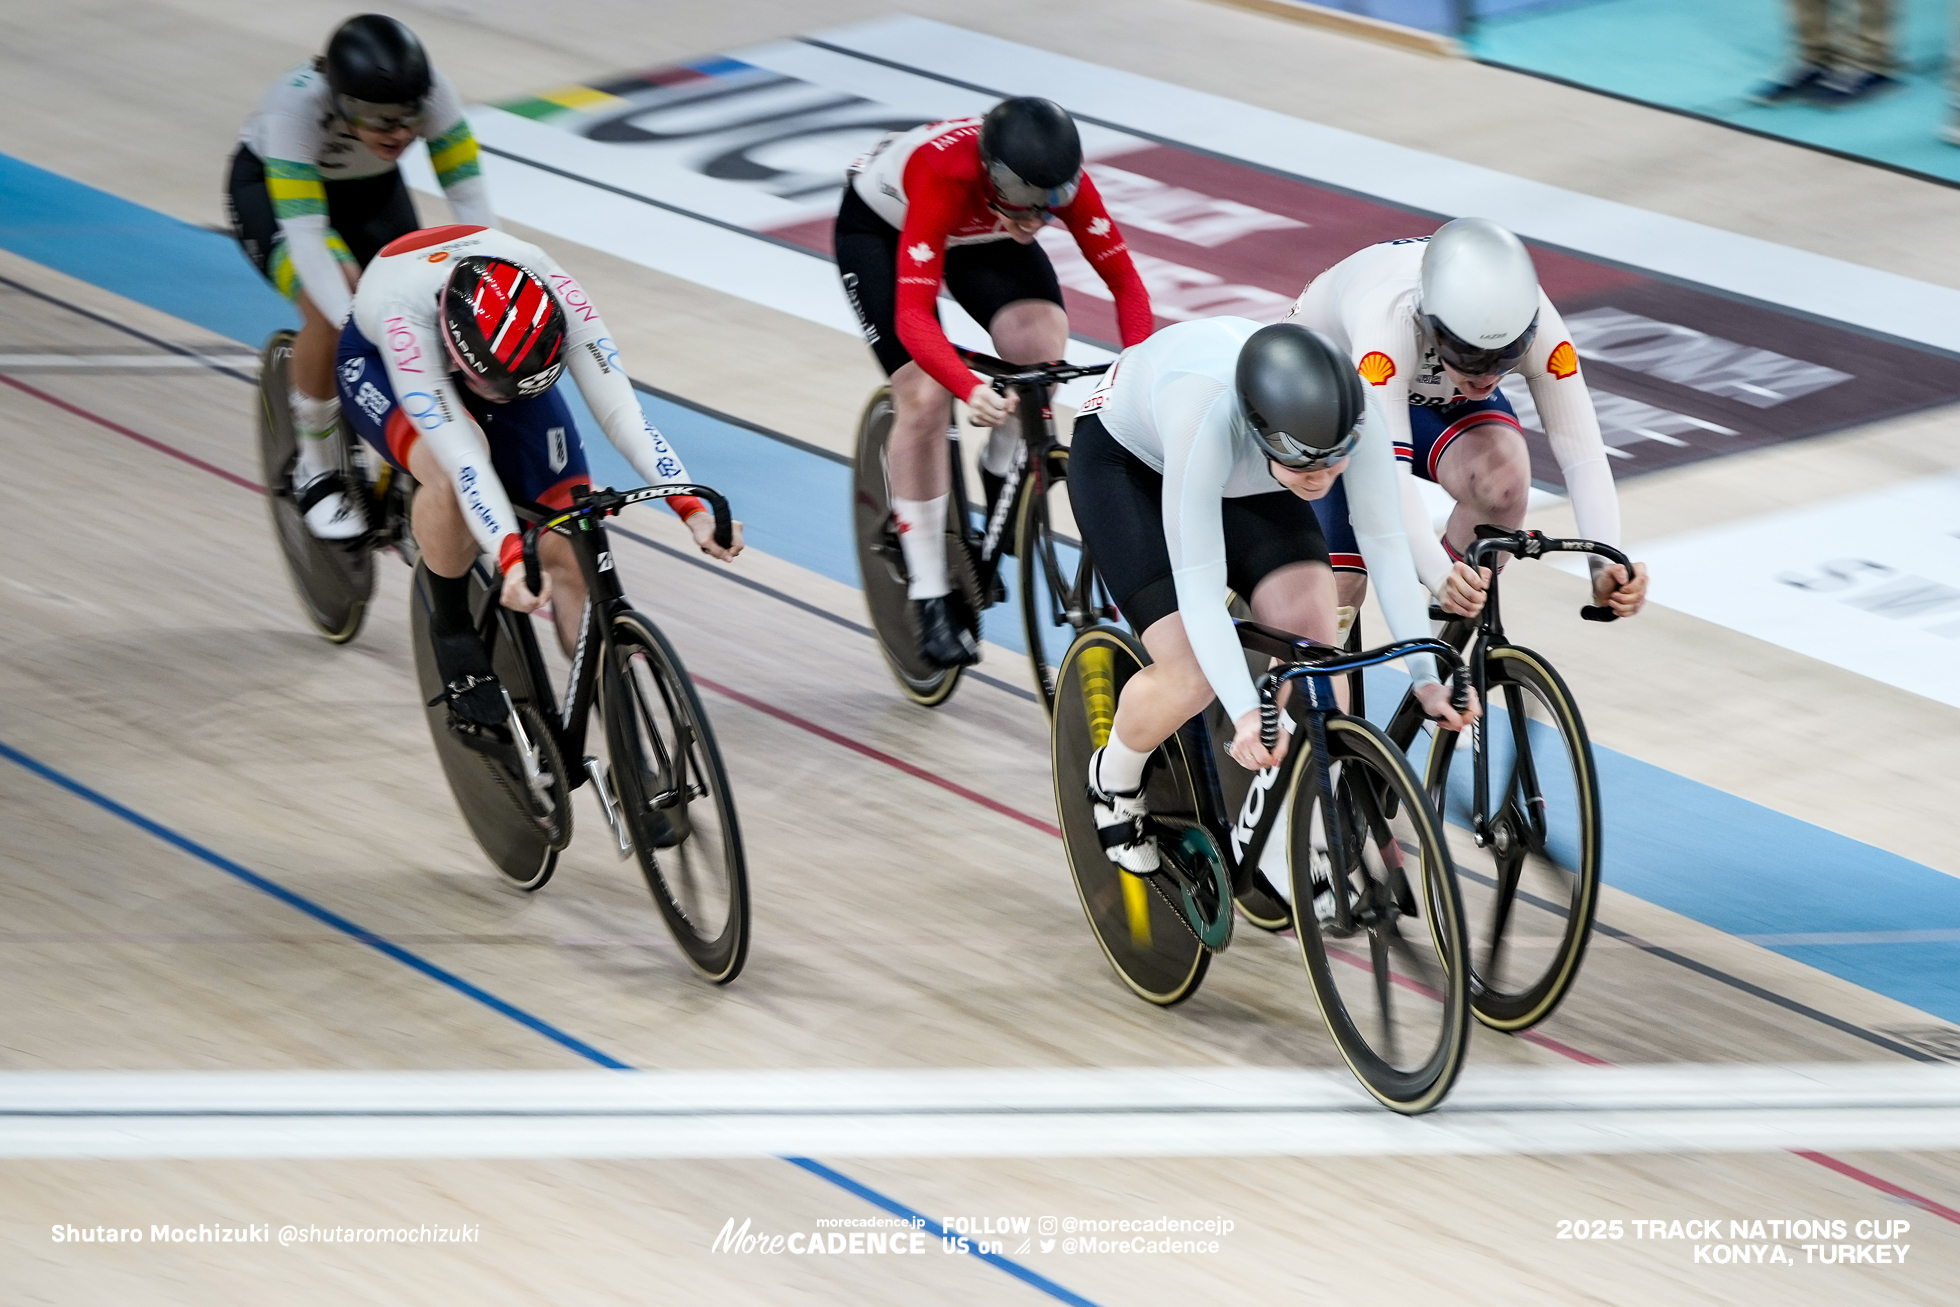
{"x":1869,"y":583}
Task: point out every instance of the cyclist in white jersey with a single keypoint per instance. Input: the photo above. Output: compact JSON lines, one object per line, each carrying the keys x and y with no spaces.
{"x":1432,"y":325}
{"x":315,"y":192}
{"x":499,"y":314}
{"x":1190,"y":469}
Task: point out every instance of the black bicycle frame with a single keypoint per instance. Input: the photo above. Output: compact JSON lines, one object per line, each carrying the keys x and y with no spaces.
{"x":1030,"y":385}
{"x":604,"y":597}
{"x":1488,"y":632}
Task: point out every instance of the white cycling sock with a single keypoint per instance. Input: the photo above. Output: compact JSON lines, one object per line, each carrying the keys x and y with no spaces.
{"x":1121,"y":770}
{"x":314,"y":422}
{"x":998,"y":456}
{"x":922,"y":539}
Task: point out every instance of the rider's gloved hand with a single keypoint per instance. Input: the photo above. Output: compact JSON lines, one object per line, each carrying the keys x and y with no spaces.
{"x":987,"y":409}
{"x":1612,"y":588}
{"x":517,"y":594}
{"x":1246,"y":749}
{"x":1465,"y":589}
{"x":702,"y":527}
{"x":1435,"y":699}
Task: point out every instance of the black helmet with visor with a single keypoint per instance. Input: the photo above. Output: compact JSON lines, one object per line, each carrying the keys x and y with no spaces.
{"x":1301,"y":395}
{"x":378,"y":71}
{"x":1032,"y":154}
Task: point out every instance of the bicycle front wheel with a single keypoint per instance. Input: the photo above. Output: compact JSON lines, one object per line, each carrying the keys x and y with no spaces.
{"x":674,"y":797}
{"x":1532,"y":890}
{"x":1394,"y":991}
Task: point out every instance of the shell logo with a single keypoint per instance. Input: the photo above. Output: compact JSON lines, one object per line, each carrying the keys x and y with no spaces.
{"x":1376,"y":368}
{"x":1563,"y":362}
{"x":439,"y":256}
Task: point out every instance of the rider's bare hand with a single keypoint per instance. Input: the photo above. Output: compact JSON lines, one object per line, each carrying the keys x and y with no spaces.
{"x":517,"y":594}
{"x":1435,"y":698}
{"x":987,"y":409}
{"x":1612,"y":588}
{"x":1465,"y":589}
{"x":1246,"y":749}
{"x":702,"y":527}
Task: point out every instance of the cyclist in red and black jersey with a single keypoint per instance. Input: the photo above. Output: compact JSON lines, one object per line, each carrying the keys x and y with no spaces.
{"x":960,"y":203}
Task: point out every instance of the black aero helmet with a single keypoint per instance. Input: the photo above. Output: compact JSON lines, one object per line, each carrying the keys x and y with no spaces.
{"x":374,"y":61}
{"x":1302,"y":396}
{"x":1032,"y":153}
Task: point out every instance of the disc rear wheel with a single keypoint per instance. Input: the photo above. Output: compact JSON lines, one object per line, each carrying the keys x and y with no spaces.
{"x":1143,"y":933}
{"x":881,"y":565}
{"x":333,"y":579}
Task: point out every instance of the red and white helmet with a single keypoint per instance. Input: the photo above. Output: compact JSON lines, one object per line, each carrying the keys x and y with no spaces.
{"x":503,"y":329}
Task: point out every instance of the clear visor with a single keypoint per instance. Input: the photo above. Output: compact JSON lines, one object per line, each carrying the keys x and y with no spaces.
{"x":1012,"y":196}
{"x":380,"y":117}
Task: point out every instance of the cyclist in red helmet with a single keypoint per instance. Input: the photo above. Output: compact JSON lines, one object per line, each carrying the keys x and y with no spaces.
{"x":501,"y":315}
{"x":962,"y":202}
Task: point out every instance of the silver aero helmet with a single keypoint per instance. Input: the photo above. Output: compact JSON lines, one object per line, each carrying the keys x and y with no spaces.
{"x":1479,"y":297}
{"x":1302,"y":396}
{"x":1032,"y":154}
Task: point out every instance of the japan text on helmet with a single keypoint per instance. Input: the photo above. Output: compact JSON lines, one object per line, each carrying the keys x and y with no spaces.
{"x":503,"y":329}
{"x":1302,"y":396}
{"x":1479,"y":297}
{"x":1032,"y":154}
{"x":378,"y":71}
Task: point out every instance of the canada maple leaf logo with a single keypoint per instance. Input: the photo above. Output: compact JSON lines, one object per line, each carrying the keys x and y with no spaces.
{"x":1100,"y":227}
{"x":921,"y":252}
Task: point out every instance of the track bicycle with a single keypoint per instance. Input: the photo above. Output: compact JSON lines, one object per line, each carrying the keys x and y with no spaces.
{"x":1342,"y":813}
{"x":1527,"y":792}
{"x":663,"y":789}
{"x":1058,"y":591}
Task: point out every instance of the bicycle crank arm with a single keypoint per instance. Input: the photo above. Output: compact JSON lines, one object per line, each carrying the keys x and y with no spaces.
{"x":622,"y":838}
{"x":533,"y":777}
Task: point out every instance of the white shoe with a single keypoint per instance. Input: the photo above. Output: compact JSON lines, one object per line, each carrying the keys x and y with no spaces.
{"x":1120,"y":825}
{"x":335,"y":514}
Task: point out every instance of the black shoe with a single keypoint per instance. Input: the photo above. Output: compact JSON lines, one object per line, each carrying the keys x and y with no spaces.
{"x":1848,"y":86}
{"x":477,"y":713}
{"x":1795,"y":84}
{"x":943,"y":641}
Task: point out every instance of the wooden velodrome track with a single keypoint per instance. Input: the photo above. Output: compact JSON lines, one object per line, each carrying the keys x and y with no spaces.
{"x":179,"y":743}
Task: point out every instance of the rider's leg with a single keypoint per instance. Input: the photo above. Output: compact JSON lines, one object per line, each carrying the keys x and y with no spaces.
{"x":1155,"y":702}
{"x":316,"y":421}
{"x":1487,"y":470}
{"x":920,"y":476}
{"x":556,"y":555}
{"x":1024,"y":331}
{"x":448,"y":550}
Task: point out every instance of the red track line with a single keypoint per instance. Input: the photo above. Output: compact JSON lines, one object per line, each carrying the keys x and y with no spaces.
{"x":994,"y":805}
{"x":1883,"y":1186}
{"x":137,"y":436}
{"x":931,"y":778}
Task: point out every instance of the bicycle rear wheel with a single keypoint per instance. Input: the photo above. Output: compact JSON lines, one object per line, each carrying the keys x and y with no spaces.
{"x":1145,"y":937}
{"x":519,"y":829}
{"x":674,"y":797}
{"x":881,"y":565}
{"x":1060,"y":592}
{"x":1531,"y":892}
{"x":333,"y":579}
{"x":1394,"y":992}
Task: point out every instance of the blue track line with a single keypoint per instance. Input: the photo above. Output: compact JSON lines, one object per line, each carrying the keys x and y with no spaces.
{"x":415,"y":962}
